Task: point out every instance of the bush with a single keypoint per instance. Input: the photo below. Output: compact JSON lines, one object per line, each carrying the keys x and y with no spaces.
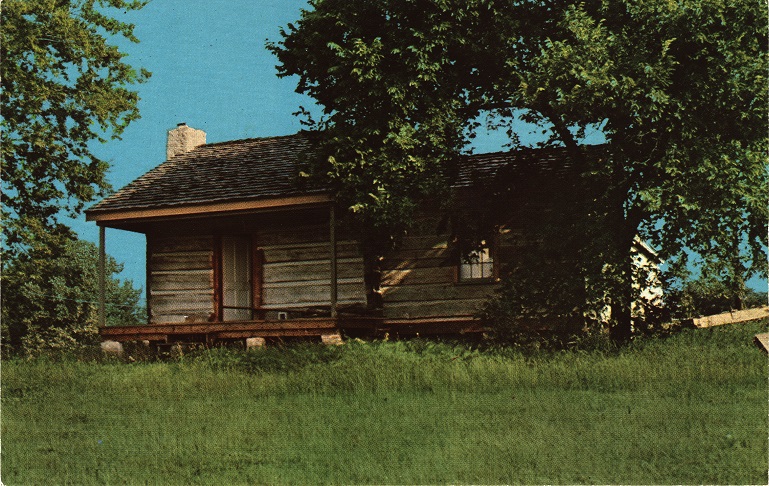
{"x":707,"y":296}
{"x":50,"y":299}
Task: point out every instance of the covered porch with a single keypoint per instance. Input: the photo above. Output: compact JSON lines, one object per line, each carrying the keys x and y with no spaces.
{"x":296,"y":266}
{"x":254,"y":266}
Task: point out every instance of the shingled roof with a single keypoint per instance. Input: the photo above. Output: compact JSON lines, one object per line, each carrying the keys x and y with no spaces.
{"x":229,"y":171}
{"x":477,"y":169}
{"x":261,"y":168}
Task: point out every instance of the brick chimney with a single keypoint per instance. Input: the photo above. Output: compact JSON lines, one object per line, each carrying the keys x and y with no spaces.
{"x":183,"y":139}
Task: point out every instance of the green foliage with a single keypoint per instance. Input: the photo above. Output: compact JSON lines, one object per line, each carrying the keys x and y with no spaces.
{"x":707,"y":296}
{"x":679,"y":410}
{"x":355,"y":355}
{"x":269,"y":359}
{"x":388,"y":133}
{"x":678,"y":89}
{"x":64,"y":86}
{"x":50,"y":299}
{"x":550,"y":292}
{"x":542,"y":309}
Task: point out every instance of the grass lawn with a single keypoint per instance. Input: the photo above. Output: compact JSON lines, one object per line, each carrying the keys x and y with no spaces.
{"x":691,"y":408}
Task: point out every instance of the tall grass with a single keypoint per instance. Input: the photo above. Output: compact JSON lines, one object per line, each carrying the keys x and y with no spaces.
{"x":687,"y":409}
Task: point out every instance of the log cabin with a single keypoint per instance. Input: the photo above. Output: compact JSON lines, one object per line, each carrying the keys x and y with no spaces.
{"x":239,"y":248}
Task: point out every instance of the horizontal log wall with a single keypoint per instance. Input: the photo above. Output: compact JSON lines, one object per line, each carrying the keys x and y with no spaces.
{"x":419,"y":277}
{"x":296,"y":272}
{"x":180,"y":279}
{"x":297,"y":268}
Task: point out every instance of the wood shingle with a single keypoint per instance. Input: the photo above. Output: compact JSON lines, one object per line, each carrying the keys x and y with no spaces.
{"x":228,"y":171}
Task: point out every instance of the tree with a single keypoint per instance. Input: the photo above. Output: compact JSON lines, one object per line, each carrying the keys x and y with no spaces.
{"x":678,"y":89}
{"x":64,"y":85}
{"x":50,"y":301}
{"x":706,"y":296}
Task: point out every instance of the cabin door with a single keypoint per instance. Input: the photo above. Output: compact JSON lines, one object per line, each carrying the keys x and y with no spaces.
{"x":236,"y":278}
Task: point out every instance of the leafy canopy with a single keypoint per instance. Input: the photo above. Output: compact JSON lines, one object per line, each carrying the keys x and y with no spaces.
{"x":50,"y":300}
{"x":679,"y":90}
{"x":65,"y":85}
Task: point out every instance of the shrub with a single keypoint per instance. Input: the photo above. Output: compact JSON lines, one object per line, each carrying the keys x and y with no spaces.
{"x":50,"y":299}
{"x":708,"y":295}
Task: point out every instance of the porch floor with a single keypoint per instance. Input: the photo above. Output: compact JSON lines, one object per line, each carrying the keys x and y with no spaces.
{"x":211,"y":332}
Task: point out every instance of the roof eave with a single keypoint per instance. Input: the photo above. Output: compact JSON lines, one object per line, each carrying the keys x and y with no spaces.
{"x":105,"y":217}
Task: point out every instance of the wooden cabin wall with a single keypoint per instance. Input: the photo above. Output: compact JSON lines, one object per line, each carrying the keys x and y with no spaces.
{"x":295,"y":274}
{"x":419,"y":277}
{"x":180,"y":278}
{"x":297,"y":268}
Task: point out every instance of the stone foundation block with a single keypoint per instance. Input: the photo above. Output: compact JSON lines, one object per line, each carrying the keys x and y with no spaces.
{"x":255,"y":342}
{"x":332,"y":339}
{"x":114,"y":348}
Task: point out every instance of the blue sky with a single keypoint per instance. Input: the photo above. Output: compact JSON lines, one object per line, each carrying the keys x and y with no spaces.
{"x":212,"y":71}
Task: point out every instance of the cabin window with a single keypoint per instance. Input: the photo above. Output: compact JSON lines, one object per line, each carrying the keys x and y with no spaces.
{"x":476,"y":265}
{"x":236,"y":279}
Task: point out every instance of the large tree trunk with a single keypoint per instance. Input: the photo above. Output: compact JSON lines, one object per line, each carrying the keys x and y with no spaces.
{"x":624,"y":223}
{"x":622,"y":326}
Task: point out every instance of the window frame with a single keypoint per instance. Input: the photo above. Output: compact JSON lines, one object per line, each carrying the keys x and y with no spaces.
{"x":491,"y":250}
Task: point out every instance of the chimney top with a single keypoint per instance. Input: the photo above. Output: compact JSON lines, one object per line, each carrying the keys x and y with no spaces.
{"x":183,"y":139}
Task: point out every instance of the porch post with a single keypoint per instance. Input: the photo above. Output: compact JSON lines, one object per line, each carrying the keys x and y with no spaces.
{"x":332,"y":238}
{"x":102,"y":277}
